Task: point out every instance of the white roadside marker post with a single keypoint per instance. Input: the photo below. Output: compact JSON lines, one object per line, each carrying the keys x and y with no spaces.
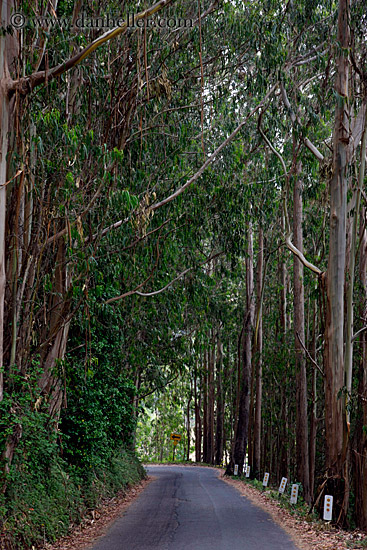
{"x":282,"y":485}
{"x":328,"y":508}
{"x":248,"y":471}
{"x":265,"y":480}
{"x":236,"y":469}
{"x":294,"y":494}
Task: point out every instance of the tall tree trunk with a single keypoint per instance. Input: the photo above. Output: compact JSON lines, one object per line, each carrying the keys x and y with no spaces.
{"x":205,"y":409}
{"x":220,"y":407}
{"x":4,"y":128}
{"x":350,"y":289}
{"x":335,"y":420}
{"x":198,"y":431}
{"x":50,"y":383}
{"x":259,"y":350}
{"x":314,"y":420}
{"x":283,"y":292}
{"x":303,"y":470}
{"x":243,"y":415}
{"x":360,"y":438}
{"x":283,"y":457}
{"x":211,"y":361}
{"x":188,"y":422}
{"x":236,"y":397}
{"x":250,"y":446}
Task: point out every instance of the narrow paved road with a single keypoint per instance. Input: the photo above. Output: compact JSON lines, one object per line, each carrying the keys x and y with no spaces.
{"x":189,"y":508}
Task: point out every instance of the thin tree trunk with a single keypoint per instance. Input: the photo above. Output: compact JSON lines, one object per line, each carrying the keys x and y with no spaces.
{"x":220,"y":407}
{"x":236,"y":400}
{"x":259,"y":349}
{"x":303,"y":470}
{"x":4,"y":128}
{"x":198,"y":434}
{"x":283,"y":459}
{"x":359,"y":451}
{"x":250,"y":446}
{"x":188,"y":422}
{"x":283,"y":292}
{"x":205,"y":409}
{"x":314,"y":421}
{"x":243,"y":416}
{"x":211,"y":361}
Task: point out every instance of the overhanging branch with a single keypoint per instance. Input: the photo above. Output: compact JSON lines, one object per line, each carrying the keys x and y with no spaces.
{"x":154,"y":293}
{"x":295,"y":118}
{"x":26,"y":84}
{"x":214,"y":155}
{"x":287,"y":236}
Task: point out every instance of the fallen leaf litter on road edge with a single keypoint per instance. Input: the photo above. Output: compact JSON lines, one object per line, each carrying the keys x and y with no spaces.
{"x":305,"y":534}
{"x":84,"y":535}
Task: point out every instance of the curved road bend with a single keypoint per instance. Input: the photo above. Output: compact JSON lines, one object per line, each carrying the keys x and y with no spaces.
{"x":189,"y":508}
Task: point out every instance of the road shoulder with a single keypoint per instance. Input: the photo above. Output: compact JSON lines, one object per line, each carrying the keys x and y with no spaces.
{"x":306,"y":535}
{"x":83,"y":536}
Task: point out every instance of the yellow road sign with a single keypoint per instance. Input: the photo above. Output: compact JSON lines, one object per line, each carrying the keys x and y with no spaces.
{"x":176,"y":437}
{"x":175,"y":441}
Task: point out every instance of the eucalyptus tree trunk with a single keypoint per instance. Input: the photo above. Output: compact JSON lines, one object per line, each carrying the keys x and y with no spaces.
{"x":188,"y":426}
{"x":335,"y":419}
{"x":283,"y":458}
{"x":283,"y":292}
{"x":211,"y":362}
{"x":8,"y":51}
{"x":244,"y":401}
{"x":4,"y":127}
{"x":198,"y":430}
{"x":238,"y":378}
{"x":219,"y":434}
{"x":205,"y":407}
{"x":250,"y":446}
{"x":359,"y":450}
{"x":303,"y":471}
{"x":314,"y":419}
{"x":350,"y":289}
{"x":259,"y":350}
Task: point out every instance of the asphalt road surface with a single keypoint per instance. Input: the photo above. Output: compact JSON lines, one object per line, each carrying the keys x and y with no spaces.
{"x":189,"y":508}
